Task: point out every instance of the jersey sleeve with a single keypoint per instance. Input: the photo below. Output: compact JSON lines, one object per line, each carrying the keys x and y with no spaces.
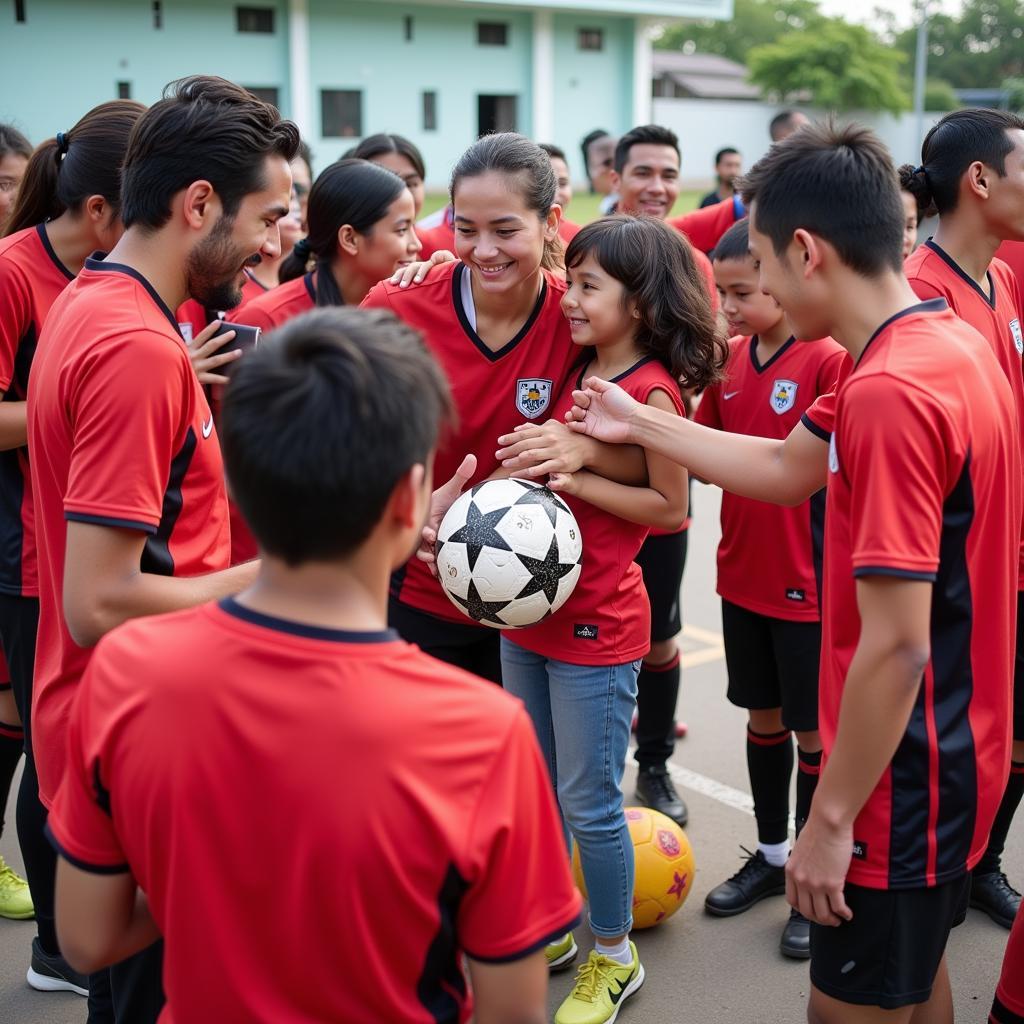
{"x":517,"y":847}
{"x":126,"y":436}
{"x":820,"y":417}
{"x":925,"y":290}
{"x":896,"y":466}
{"x":709,"y":409}
{"x":830,"y":370}
{"x":377,"y":298}
{"x":80,"y":823}
{"x":706,"y":226}
{"x":15,"y":317}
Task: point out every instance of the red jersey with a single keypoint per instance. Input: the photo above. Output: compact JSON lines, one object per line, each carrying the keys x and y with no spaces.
{"x":1012,"y":254}
{"x":933,"y":273}
{"x":31,"y":277}
{"x":121,"y":435}
{"x":706,"y":226}
{"x":194,"y":317}
{"x":931,"y":490}
{"x":607,"y":618}
{"x":450,"y":842}
{"x":777,"y":574}
{"x":494,"y":392}
{"x":280,"y":304}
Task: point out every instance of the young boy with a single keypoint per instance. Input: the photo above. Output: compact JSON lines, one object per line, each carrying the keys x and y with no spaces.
{"x":924,"y":501}
{"x":769,"y":565}
{"x":271,"y":718}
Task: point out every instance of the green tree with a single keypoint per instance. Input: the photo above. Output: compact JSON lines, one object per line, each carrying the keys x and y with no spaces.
{"x":1014,"y":93}
{"x":939,"y":95}
{"x":754,"y":23}
{"x":837,"y":66}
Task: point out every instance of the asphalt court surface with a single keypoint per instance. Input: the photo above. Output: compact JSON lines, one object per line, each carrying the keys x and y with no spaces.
{"x":700,"y":970}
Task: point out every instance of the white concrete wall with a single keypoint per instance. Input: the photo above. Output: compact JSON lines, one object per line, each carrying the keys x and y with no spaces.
{"x":705,"y":126}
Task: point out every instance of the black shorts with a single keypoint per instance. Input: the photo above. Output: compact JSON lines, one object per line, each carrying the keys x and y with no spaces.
{"x":473,"y":648}
{"x":1018,"y":673}
{"x":888,"y":955}
{"x":662,"y":560}
{"x":772,"y":663}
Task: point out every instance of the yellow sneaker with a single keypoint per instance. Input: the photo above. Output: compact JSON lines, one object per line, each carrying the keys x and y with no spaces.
{"x":15,"y":901}
{"x":601,"y":987}
{"x":560,"y":954}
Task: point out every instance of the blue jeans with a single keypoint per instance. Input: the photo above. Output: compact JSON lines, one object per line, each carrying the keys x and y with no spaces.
{"x":582,"y":715}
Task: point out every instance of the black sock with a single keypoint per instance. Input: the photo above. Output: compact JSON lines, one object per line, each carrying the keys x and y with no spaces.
{"x":12,"y":746}
{"x":657,"y":692}
{"x":770,"y":764}
{"x":808,"y":768}
{"x":39,"y":856}
{"x":991,"y":858}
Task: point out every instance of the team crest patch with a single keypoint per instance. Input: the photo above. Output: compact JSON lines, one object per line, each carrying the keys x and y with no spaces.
{"x":533,"y":396}
{"x":783,"y":395}
{"x":1018,"y":336}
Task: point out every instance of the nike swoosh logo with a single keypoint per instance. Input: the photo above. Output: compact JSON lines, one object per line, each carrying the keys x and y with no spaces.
{"x":208,"y":427}
{"x":730,"y":394}
{"x":623,"y":985}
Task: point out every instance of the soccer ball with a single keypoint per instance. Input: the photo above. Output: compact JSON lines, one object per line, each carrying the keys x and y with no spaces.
{"x":664,"y":866}
{"x":509,"y":553}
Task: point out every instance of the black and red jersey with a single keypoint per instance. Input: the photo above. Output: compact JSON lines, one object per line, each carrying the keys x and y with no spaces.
{"x":769,"y":558}
{"x":925,"y":484}
{"x":31,"y":277}
{"x":494,"y":391}
{"x":121,"y":435}
{"x":200,"y":733}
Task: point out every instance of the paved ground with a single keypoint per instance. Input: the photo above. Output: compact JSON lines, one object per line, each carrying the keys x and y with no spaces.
{"x":699,"y":969}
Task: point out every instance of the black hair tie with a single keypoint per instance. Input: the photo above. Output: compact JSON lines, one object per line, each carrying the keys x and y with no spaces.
{"x":303,"y":250}
{"x":62,"y":145}
{"x":920,"y":170}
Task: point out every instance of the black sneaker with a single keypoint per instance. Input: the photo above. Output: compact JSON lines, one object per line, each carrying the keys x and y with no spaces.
{"x":54,"y":974}
{"x":755,"y":881}
{"x":654,"y":789}
{"x":796,"y":936}
{"x":992,"y":893}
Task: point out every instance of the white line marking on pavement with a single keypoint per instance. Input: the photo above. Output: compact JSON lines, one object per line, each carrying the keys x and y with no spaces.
{"x":719,"y":791}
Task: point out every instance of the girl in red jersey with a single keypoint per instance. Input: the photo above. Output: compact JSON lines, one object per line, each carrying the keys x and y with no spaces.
{"x":67,"y":208}
{"x":638,"y":307}
{"x":494,"y":323}
{"x":361,"y":231}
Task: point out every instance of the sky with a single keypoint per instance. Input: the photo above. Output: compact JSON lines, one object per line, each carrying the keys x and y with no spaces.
{"x":863,"y":10}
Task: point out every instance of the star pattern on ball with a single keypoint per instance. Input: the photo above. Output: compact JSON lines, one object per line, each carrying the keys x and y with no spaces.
{"x":546,"y":499}
{"x":545,"y":573}
{"x":479,"y":609}
{"x":678,"y":887}
{"x":479,"y":532}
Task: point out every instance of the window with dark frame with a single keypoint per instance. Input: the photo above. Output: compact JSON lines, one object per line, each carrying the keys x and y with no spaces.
{"x":19,"y":10}
{"x":430,"y":111}
{"x":590,"y":39}
{"x":268,"y":93}
{"x":408,"y":27}
{"x":492,"y":33}
{"x":124,"y":90}
{"x":255,"y":19}
{"x":158,"y":14}
{"x":341,"y":113}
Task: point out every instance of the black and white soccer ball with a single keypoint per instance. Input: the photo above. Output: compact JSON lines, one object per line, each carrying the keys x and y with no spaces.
{"x":509,"y":553}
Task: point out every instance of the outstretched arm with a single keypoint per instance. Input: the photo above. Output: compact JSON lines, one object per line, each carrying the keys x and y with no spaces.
{"x":782,"y":472}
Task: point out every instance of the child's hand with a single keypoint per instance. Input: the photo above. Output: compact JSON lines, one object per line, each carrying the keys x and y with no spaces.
{"x":414,"y":273}
{"x":205,"y":355}
{"x":565,"y":483}
{"x":537,"y":449}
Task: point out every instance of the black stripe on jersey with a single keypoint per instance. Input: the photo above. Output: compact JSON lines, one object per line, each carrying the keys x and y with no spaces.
{"x":84,"y":865}
{"x":951,"y":629}
{"x":557,"y":933}
{"x":813,"y":427}
{"x":156,"y":555}
{"x":99,"y":263}
{"x":1003,"y":1014}
{"x":120,"y":524}
{"x":310,"y":287}
{"x":930,"y":306}
{"x":958,"y":270}
{"x":45,"y":239}
{"x":902,"y":574}
{"x":460,"y":312}
{"x":303,"y":629}
{"x":441,"y":987}
{"x":615,"y":380}
{"x":758,"y":368}
{"x":908,"y":826}
{"x":817,"y":513}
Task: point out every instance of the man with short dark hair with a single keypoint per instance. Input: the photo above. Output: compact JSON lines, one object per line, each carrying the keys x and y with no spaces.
{"x":728,"y":167}
{"x":271,"y":717}
{"x":783,"y":124}
{"x":130,"y":501}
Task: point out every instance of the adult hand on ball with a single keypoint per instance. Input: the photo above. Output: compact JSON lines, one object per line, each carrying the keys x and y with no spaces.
{"x":603,"y":411}
{"x":536,"y":449}
{"x":204,"y":351}
{"x":440,"y":501}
